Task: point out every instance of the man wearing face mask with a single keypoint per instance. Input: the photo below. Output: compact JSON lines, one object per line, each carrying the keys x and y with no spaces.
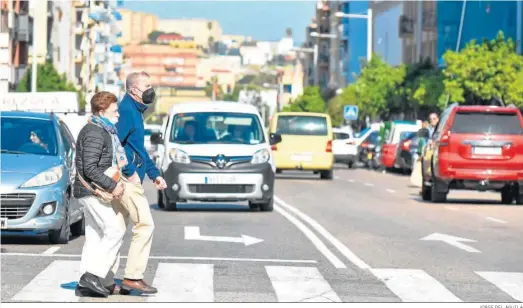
{"x":131,"y":131}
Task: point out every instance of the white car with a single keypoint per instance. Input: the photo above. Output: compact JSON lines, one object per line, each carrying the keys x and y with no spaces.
{"x":344,"y":147}
{"x":152,"y":149}
{"x":216,"y":152}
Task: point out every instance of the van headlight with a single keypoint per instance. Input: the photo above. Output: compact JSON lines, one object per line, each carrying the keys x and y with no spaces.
{"x":48,"y":177}
{"x":179,"y":156}
{"x":260,"y":157}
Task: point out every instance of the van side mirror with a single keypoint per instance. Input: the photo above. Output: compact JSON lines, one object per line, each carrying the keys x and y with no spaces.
{"x":275,"y":139}
{"x":156,"y":138}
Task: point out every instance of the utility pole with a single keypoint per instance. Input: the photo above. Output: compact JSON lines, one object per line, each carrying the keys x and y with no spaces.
{"x":419,"y":30}
{"x":34,"y":65}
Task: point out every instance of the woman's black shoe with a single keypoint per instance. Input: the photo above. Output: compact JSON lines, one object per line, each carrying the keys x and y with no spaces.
{"x":91,"y":286}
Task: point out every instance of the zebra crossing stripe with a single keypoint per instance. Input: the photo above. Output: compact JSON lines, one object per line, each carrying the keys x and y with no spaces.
{"x":510,"y":283}
{"x":56,"y":283}
{"x":300,"y":284}
{"x":184,"y":282}
{"x":414,"y":285}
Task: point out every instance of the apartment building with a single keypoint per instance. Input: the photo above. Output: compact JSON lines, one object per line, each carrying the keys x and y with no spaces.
{"x":397,"y":32}
{"x":204,"y":32}
{"x":136,"y":26}
{"x":15,"y":36}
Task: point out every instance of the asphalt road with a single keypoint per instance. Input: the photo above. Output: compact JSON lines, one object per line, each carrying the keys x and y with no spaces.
{"x":362,"y":237}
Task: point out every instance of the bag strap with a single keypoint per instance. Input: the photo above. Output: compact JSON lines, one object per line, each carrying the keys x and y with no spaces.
{"x":84,"y":182}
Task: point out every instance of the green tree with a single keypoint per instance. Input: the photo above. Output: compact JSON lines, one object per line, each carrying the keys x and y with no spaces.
{"x":49,"y":80}
{"x":422,"y":89}
{"x":482,"y":72}
{"x":309,"y":101}
{"x":376,"y":86}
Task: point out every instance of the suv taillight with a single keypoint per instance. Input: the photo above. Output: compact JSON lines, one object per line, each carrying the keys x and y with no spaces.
{"x":444,"y":141}
{"x":405,"y":145}
{"x":274,"y":147}
{"x":329,"y":146}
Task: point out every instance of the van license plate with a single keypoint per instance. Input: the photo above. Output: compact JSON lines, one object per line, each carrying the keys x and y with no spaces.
{"x":487,"y":150}
{"x":3,"y":223}
{"x":220,"y":179}
{"x":301,"y":157}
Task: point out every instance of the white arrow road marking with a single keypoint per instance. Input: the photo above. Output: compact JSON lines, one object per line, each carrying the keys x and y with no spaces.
{"x":193,"y":233}
{"x":495,"y":220}
{"x":452,"y":240}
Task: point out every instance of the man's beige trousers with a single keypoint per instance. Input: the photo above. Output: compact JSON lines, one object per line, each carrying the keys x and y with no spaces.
{"x":134,"y":206}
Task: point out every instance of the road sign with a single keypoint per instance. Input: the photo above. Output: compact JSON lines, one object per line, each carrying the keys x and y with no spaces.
{"x":350,"y":112}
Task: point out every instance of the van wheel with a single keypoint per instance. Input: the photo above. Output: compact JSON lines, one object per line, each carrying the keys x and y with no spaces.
{"x":507,"y":195}
{"x":267,"y":206}
{"x":171,"y":206}
{"x":327,"y":175}
{"x":161,"y":198}
{"x":350,"y":164}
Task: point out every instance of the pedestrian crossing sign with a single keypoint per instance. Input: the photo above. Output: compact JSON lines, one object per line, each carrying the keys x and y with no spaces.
{"x":350,"y":112}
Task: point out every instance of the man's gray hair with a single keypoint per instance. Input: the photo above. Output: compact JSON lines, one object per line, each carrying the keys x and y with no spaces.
{"x":132,"y":78}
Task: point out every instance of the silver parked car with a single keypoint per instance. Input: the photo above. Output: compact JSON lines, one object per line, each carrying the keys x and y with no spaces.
{"x":37,"y":165}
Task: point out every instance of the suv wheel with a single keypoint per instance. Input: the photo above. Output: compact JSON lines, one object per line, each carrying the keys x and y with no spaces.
{"x":435,"y":192}
{"x":508,"y":195}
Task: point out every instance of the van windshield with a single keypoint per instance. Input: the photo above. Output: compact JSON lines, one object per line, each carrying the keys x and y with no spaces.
{"x":216,"y":127}
{"x":302,"y":125}
{"x":486,"y":123}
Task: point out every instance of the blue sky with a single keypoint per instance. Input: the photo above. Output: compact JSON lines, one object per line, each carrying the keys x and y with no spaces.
{"x":263,"y":20}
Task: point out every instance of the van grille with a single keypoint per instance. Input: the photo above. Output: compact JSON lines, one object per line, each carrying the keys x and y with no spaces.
{"x":220,"y":189}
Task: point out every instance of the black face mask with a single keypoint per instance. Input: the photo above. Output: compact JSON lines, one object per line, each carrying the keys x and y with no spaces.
{"x":148,"y":96}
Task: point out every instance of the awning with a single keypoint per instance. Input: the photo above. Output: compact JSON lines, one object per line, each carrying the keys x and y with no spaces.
{"x":116,"y":48}
{"x":117,"y":15}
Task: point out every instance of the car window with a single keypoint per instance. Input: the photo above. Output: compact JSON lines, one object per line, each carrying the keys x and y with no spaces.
{"x":341,"y":136}
{"x":67,"y":140}
{"x":302,"y":125}
{"x":217,"y":127}
{"x":486,"y":123}
{"x":28,"y":136}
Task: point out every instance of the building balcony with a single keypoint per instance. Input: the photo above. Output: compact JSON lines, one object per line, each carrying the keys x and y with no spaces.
{"x":79,"y":28}
{"x":78,"y":56}
{"x":21,"y":28}
{"x":18,"y":73}
{"x":79,"y":3}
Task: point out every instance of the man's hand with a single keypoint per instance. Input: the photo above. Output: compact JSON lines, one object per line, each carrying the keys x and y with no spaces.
{"x":118,"y":190}
{"x":135,"y":179}
{"x":160,"y":183}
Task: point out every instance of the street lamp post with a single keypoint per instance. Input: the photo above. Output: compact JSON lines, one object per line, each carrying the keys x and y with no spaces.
{"x":370,"y":30}
{"x":34,"y":65}
{"x":314,"y":51}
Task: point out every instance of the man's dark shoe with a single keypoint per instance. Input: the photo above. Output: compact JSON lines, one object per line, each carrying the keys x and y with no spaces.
{"x":138,"y":285}
{"x":113,"y":289}
{"x":91,"y":286}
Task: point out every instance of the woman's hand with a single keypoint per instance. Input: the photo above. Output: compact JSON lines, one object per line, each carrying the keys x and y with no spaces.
{"x":118,"y":191}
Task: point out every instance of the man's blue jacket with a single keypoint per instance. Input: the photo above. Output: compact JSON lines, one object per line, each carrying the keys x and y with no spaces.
{"x":131,"y":117}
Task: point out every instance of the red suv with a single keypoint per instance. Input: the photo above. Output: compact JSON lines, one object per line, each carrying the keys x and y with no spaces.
{"x":475,"y":148}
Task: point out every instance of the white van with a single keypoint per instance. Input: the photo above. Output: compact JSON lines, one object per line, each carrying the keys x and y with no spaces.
{"x":216,"y":152}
